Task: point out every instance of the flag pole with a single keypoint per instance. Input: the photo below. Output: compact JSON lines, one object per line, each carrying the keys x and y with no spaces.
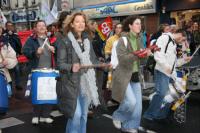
{"x":27,"y":14}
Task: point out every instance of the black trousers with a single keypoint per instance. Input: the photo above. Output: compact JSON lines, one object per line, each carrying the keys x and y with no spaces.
{"x":42,"y":110}
{"x":100,"y":82}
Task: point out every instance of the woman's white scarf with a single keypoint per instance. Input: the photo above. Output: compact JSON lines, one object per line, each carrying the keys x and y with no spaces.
{"x":88,"y":79}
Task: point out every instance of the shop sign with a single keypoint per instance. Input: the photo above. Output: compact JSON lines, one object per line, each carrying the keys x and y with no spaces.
{"x":98,"y":3}
{"x":22,"y":16}
{"x":148,"y":6}
{"x":107,"y":10}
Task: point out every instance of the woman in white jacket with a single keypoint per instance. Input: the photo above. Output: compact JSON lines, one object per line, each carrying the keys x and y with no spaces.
{"x":8,"y":58}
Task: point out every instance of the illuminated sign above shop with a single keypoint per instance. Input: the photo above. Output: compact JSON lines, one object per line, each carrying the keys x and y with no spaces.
{"x":144,"y":7}
{"x":102,"y":3}
{"x":107,"y":10}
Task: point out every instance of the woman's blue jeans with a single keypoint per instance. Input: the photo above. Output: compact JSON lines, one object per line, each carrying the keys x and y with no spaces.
{"x":79,"y":121}
{"x":162,"y":87}
{"x":130,"y":109}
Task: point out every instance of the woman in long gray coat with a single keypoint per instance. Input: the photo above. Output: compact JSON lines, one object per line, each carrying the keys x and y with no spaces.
{"x":126,"y":83}
{"x":76,"y":88}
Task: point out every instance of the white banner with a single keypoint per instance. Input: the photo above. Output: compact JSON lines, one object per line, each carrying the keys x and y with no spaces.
{"x":46,"y":14}
{"x":3,"y":19}
{"x":54,"y":9}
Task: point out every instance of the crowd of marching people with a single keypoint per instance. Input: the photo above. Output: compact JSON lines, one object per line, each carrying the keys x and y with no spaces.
{"x":85,"y":68}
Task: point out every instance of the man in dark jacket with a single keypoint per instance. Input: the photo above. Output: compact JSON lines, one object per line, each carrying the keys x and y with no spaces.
{"x":39,"y":52}
{"x":12,"y":38}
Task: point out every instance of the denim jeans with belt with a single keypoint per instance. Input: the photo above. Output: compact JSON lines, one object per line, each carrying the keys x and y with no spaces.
{"x":130,"y":110}
{"x":79,"y":121}
{"x":154,"y":110}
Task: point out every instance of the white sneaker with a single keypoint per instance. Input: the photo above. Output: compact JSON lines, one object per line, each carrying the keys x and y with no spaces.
{"x":130,"y":130}
{"x":35,"y":120}
{"x":48,"y":120}
{"x":110,"y":104}
{"x":117,"y":124}
{"x":42,"y":119}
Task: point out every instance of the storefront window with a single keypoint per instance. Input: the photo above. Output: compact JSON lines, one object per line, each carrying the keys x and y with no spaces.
{"x":186,"y":17}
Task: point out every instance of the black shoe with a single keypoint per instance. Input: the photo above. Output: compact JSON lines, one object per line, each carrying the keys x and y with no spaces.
{"x":90,"y":114}
{"x":102,"y":109}
{"x":2,"y":114}
{"x":19,"y":88}
{"x":149,"y":124}
{"x":148,"y":119}
{"x":163,"y":121}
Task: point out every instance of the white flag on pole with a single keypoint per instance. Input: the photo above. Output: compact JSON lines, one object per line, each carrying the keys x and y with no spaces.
{"x":3,"y":19}
{"x":54,"y":9}
{"x":46,"y":14}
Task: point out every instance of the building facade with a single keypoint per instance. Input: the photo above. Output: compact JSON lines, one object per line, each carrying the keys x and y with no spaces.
{"x":119,"y":9}
{"x":180,"y":13}
{"x":23,"y":13}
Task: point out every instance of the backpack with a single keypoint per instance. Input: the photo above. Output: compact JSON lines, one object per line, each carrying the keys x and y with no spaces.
{"x":151,"y":63}
{"x":114,"y":58}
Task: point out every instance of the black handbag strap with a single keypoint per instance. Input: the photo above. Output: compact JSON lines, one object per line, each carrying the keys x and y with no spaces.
{"x":170,"y":40}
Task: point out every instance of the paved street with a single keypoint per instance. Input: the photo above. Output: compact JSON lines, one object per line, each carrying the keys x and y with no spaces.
{"x":101,"y":123}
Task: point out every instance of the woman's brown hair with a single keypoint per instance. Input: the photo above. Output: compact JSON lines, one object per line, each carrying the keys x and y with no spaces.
{"x":62,"y":17}
{"x":68,"y":22}
{"x":162,"y":27}
{"x":129,"y":21}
